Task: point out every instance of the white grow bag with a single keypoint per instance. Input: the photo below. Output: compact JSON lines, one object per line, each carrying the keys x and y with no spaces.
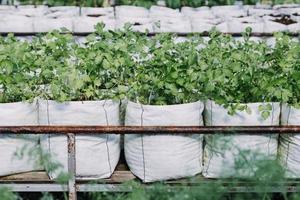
{"x":17,"y":114}
{"x":271,"y":26}
{"x":201,"y":25}
{"x":197,"y":13}
{"x":163,"y":157}
{"x":87,"y":24}
{"x":96,"y":155}
{"x":161,"y":11}
{"x":221,"y":151}
{"x":98,"y":12}
{"x":289,"y":145}
{"x":239,"y":25}
{"x":138,"y":24}
{"x":131,"y":11}
{"x":168,"y":24}
{"x":43,"y":24}
{"x":16,"y":24}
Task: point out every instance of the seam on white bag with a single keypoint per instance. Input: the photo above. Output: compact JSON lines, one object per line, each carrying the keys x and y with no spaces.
{"x":201,"y":148}
{"x":48,"y":121}
{"x":212,"y":138}
{"x":288,"y":141}
{"x":38,"y":111}
{"x":287,"y":153}
{"x":270,"y":136}
{"x":49,"y":135}
{"x":272,"y":112}
{"x":288,"y":118}
{"x":211,"y":113}
{"x":142,"y":142}
{"x":107,"y":137}
{"x":209,"y":157}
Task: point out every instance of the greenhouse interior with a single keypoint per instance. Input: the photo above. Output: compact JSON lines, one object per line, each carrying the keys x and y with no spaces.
{"x":149,"y":99}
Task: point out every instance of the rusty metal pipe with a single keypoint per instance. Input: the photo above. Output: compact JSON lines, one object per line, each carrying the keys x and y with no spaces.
{"x":148,"y":129}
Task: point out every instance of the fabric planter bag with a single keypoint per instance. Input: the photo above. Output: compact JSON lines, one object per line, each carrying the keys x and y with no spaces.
{"x":63,"y":11}
{"x":161,"y":11}
{"x":239,"y":25}
{"x":87,"y":24}
{"x":162,"y":157}
{"x":222,"y":27}
{"x":16,"y":24}
{"x":167,"y":24}
{"x":222,"y":153}
{"x":289,"y":145}
{"x":43,"y":24}
{"x":96,"y":155}
{"x":201,"y":25}
{"x":294,"y":28}
{"x":194,"y":13}
{"x":131,"y":11}
{"x":18,"y":114}
{"x":138,"y":24}
{"x":97,"y":12}
{"x":32,"y":11}
{"x":260,"y":12}
{"x":271,"y":26}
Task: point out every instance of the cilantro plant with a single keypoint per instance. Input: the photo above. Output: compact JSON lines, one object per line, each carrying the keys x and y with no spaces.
{"x":164,"y":72}
{"x":107,"y":63}
{"x":285,"y":60}
{"x":15,"y":67}
{"x":237,"y":72}
{"x":193,"y":3}
{"x":53,"y":69}
{"x":142,"y":3}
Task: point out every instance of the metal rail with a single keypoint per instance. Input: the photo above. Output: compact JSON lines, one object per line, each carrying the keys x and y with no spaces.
{"x":148,"y":129}
{"x":74,"y":186}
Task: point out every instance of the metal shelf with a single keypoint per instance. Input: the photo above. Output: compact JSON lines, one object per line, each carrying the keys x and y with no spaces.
{"x":34,"y":184}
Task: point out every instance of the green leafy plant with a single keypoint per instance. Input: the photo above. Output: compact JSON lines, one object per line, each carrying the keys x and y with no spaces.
{"x":237,"y":72}
{"x":285,"y":61}
{"x":55,"y":75}
{"x":15,"y":70}
{"x":7,"y":194}
{"x":193,"y":3}
{"x":62,"y":2}
{"x":91,"y":3}
{"x":32,"y":2}
{"x":164,"y":73}
{"x":220,"y":2}
{"x":250,"y":2}
{"x":142,"y":3}
{"x":173,"y":3}
{"x":106,"y":62}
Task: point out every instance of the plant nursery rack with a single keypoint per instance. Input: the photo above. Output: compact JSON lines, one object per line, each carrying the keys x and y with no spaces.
{"x":40,"y":182}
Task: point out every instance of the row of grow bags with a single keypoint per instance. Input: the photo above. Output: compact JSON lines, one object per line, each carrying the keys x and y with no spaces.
{"x":150,"y":157}
{"x":163,"y":81}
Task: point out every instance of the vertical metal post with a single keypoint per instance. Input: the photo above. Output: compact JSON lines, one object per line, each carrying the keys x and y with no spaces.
{"x":72,"y":166}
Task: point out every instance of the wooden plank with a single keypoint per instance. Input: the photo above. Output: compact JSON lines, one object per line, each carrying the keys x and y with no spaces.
{"x":41,"y":176}
{"x":35,"y":187}
{"x":32,"y":176}
{"x":120,"y":177}
{"x":39,"y":182}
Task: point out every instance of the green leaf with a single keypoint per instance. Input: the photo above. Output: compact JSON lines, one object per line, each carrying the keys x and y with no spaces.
{"x":265,"y":114}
